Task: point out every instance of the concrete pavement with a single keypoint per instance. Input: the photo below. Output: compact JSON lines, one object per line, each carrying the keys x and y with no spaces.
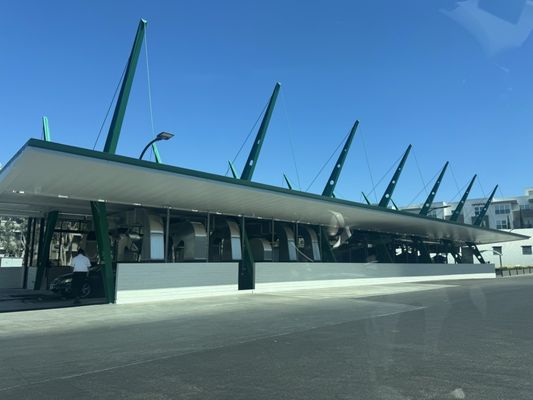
{"x":446,"y":340}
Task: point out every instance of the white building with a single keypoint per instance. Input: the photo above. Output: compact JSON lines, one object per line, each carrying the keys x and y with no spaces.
{"x":511,"y":214}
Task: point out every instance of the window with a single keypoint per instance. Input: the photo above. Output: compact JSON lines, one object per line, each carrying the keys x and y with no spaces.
{"x":477,"y":210}
{"x":502,"y":224}
{"x":524,"y":206}
{"x":526,"y":250}
{"x":497,"y":250}
{"x":502,"y":208}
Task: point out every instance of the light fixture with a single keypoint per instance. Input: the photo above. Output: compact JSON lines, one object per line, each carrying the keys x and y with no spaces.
{"x":160,"y":136}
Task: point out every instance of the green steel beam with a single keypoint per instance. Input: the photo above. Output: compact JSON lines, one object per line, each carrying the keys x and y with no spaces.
{"x":44,"y":250}
{"x":232,"y":169}
{"x":247,"y":264}
{"x":485,"y":208}
{"x":287,"y":181}
{"x":46,"y":130}
{"x":366,"y":199}
{"x":156,"y":154}
{"x":249,"y":168}
{"x":122,"y":102}
{"x":384,"y":202}
{"x":104,"y":248}
{"x":337,"y":169}
{"x":459,"y":208}
{"x":429,"y":201}
{"x":394,"y":205}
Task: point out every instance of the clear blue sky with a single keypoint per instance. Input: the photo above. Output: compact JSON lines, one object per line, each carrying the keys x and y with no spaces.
{"x":452,"y":78}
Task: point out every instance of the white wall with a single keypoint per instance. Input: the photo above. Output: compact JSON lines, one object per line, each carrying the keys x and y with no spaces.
{"x":511,"y":251}
{"x":273,"y":276}
{"x":159,"y":281}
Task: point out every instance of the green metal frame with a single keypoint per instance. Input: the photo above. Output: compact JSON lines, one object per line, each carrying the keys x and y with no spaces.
{"x":457,"y":212}
{"x":249,"y":167}
{"x":232,"y":169}
{"x":485,"y":208}
{"x":288,"y":182}
{"x":366,"y":199}
{"x":156,"y":154}
{"x":46,"y":130}
{"x":97,"y":155}
{"x":429,"y":201}
{"x":337,"y":169}
{"x":247,"y":263}
{"x":122,"y":102}
{"x":384,"y":202}
{"x":99,"y":211}
{"x":44,"y":248}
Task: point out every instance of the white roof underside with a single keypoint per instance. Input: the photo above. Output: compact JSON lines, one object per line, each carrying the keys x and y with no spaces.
{"x":64,"y":178}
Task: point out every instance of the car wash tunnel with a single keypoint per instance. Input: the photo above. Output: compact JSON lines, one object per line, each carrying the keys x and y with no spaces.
{"x":154,"y":231}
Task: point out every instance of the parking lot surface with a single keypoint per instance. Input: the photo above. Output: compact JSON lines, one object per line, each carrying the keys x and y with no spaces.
{"x":444,"y":340}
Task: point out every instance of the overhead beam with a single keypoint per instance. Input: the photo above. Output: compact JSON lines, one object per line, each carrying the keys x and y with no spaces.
{"x":122,"y":102}
{"x":249,"y":167}
{"x":384,"y":202}
{"x":429,"y":201}
{"x":337,"y":169}
{"x":457,"y":212}
{"x":485,"y":208}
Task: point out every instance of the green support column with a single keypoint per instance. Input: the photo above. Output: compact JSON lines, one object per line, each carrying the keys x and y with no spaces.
{"x":122,"y":102}
{"x":485,"y":208}
{"x":247,"y":264}
{"x":156,"y":154}
{"x":384,"y":202}
{"x":288,"y":182}
{"x":232,"y":169}
{"x":46,"y":130}
{"x":327,"y":250}
{"x":429,"y":201}
{"x":249,"y":168}
{"x":366,"y":199}
{"x":459,"y":208}
{"x":337,"y":169}
{"x":44,"y":250}
{"x":101,"y":229}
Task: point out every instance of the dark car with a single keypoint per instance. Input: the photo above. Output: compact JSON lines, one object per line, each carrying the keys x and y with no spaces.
{"x":91,"y":287}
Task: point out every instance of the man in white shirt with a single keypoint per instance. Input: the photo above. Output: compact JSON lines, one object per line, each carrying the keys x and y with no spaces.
{"x":80,"y":265}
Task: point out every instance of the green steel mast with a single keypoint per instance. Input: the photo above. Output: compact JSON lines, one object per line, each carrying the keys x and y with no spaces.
{"x":384,"y":202}
{"x":46,"y":130}
{"x":249,"y":168}
{"x":122,"y":102}
{"x":485,"y":208}
{"x":429,"y":201}
{"x":334,"y":177}
{"x":459,"y":208}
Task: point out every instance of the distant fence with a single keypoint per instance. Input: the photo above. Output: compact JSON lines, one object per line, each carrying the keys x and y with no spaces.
{"x":514,"y":271}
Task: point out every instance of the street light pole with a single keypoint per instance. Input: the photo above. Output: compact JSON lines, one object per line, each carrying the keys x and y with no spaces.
{"x":160,"y":136}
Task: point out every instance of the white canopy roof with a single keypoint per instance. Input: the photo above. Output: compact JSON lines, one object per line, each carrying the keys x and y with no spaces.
{"x":46,"y":176}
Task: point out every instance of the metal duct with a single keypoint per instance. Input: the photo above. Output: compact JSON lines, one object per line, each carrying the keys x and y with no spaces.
{"x":189,"y":241}
{"x":226,"y":241}
{"x":311,"y":246}
{"x":287,"y":244}
{"x":261,"y":249}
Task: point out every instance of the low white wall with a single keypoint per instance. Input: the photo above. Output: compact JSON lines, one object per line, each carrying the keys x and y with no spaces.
{"x":11,"y":278}
{"x":157,"y":281}
{"x":271,"y":276}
